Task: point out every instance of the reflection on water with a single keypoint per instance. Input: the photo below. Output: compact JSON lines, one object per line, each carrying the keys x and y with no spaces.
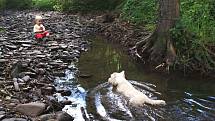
{"x":187,"y":98}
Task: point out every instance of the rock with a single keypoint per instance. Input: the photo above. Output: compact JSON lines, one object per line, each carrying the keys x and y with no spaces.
{"x":11,"y":47}
{"x":59,"y":116}
{"x":3,"y":92}
{"x":2,"y":114}
{"x":14,"y":119}
{"x":16,"y":69}
{"x":66,"y":93}
{"x":66,"y":102}
{"x":7,"y":97}
{"x":31,"y":74}
{"x":48,"y":90}
{"x":31,"y":109}
{"x":59,"y":73}
{"x":3,"y":60}
{"x":40,"y":56}
{"x":26,"y":89}
{"x":55,"y":105}
{"x":63,"y":116}
{"x":24,"y":42}
{"x":26,"y":78}
{"x":26,"y":45}
{"x":46,"y":117}
{"x":20,"y":80}
{"x":11,"y":105}
{"x":63,"y":46}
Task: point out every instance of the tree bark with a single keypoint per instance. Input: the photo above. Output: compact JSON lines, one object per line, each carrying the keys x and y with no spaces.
{"x":158,"y":47}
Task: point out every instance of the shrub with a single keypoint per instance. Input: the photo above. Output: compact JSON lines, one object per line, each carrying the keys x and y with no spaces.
{"x":194,"y":35}
{"x":16,"y":4}
{"x":140,"y":12}
{"x":2,"y":4}
{"x":44,"y":4}
{"x":86,"y":5}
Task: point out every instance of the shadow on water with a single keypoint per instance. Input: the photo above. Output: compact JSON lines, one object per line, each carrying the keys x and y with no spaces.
{"x":187,"y":98}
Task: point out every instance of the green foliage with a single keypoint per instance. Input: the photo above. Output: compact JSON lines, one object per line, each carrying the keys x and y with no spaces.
{"x":194,"y":35}
{"x":44,"y":4}
{"x":17,"y":4}
{"x":140,"y":12}
{"x":86,"y":5}
{"x":61,"y":5}
{"x":2,"y":4}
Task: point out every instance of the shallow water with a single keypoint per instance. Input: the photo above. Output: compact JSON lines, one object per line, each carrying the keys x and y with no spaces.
{"x":191,"y":99}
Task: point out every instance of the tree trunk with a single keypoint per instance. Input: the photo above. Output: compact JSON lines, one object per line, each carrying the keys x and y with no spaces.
{"x":158,"y":46}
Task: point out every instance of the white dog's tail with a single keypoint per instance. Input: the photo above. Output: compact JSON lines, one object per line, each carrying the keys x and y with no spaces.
{"x":155,"y":102}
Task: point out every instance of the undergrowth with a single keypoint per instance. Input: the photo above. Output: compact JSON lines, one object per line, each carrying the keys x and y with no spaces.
{"x":194,"y":36}
{"x":142,"y":12}
{"x":44,"y":4}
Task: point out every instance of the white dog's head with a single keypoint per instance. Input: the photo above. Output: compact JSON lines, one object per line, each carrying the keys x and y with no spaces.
{"x":117,"y":78}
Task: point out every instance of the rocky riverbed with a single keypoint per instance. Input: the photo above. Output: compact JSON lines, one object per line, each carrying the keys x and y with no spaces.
{"x":29,"y":67}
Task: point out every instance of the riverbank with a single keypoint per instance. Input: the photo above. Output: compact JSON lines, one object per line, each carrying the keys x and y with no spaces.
{"x":29,"y":67}
{"x":43,"y":77}
{"x":115,"y":30}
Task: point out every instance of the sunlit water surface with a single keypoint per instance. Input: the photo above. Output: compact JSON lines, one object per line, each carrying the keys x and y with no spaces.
{"x":188,"y":99}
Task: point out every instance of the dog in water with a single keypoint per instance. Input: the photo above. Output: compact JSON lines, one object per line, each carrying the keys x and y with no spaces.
{"x":135,"y":97}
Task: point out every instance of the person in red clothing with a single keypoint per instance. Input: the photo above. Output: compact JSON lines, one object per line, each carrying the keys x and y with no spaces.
{"x":39,"y":30}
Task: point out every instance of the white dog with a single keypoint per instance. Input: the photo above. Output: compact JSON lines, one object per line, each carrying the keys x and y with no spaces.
{"x":136,"y":97}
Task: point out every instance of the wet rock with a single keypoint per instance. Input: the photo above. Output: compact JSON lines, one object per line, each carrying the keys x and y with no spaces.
{"x":66,"y":102}
{"x":59,"y":116}
{"x":59,"y":73}
{"x":66,"y":93}
{"x":55,"y":105}
{"x":63,"y":116}
{"x":31,"y":109}
{"x":48,"y":90}
{"x":46,"y":117}
{"x":15,"y":119}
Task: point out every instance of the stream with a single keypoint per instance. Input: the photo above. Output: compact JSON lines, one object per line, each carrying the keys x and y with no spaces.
{"x":188,"y":99}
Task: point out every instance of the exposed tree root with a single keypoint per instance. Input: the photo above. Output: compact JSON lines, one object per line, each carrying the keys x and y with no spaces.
{"x":156,"y":50}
